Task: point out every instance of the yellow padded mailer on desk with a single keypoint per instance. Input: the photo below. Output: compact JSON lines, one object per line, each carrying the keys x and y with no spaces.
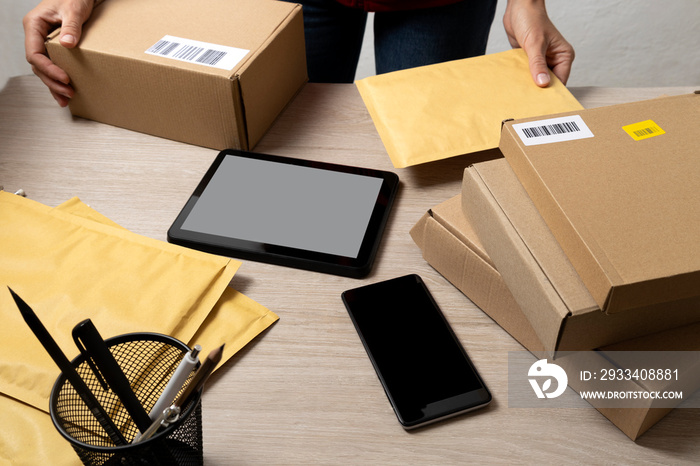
{"x":438,"y":111}
{"x":235,"y":319}
{"x":69,"y":268}
{"x":213,"y":315}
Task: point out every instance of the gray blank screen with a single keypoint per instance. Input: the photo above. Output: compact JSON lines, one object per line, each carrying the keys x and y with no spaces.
{"x":286,"y":205}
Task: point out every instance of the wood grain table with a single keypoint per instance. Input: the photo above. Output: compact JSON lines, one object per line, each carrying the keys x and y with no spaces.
{"x":304,"y":391}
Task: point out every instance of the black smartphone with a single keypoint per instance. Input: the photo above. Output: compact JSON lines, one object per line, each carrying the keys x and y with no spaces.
{"x":424,"y":369}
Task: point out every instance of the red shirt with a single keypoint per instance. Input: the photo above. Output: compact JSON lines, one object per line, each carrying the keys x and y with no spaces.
{"x":394,"y":5}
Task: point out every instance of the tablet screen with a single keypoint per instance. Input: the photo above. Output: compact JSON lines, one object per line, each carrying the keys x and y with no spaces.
{"x":293,"y":212}
{"x":287,"y":205}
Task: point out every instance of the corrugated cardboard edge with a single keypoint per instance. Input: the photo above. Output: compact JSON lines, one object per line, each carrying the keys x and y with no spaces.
{"x":480,"y":280}
{"x":684,"y":340}
{"x":541,"y":264}
{"x":601,"y":278}
{"x":563,"y":230}
{"x":513,"y":260}
{"x":261,"y":102}
{"x":447,"y":215}
{"x":474,"y":276}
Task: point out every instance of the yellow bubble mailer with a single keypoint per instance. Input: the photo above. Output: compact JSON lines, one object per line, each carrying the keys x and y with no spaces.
{"x":438,"y":111}
{"x":71,"y":263}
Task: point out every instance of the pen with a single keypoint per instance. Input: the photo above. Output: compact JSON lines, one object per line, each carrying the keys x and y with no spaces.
{"x":171,"y":413}
{"x":178,"y":379}
{"x":68,"y":370}
{"x":200,"y":377}
{"x":91,"y":344}
{"x":187,"y":365}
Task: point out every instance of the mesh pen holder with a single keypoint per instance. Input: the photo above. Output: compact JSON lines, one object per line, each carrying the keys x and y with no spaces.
{"x":148,"y":360}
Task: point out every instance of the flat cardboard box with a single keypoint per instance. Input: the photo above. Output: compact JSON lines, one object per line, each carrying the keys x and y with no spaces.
{"x":117,"y":82}
{"x":450,"y":245}
{"x":540,"y":276}
{"x":623,"y":200}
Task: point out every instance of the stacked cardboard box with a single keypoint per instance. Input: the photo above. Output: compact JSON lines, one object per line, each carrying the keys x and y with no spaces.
{"x":540,"y":253}
{"x":618,"y":187}
{"x":535,"y":268}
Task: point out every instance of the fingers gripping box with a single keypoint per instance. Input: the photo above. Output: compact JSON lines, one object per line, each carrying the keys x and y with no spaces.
{"x":214,"y":73}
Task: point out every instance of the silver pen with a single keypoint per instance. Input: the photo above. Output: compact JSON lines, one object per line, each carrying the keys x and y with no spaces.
{"x":175,"y":384}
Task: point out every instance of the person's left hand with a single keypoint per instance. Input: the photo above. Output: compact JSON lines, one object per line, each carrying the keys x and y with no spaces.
{"x":47,"y":15}
{"x":528,"y":26}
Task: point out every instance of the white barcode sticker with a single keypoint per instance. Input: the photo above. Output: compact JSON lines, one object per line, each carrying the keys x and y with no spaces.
{"x":552,"y":130}
{"x":194,"y":51}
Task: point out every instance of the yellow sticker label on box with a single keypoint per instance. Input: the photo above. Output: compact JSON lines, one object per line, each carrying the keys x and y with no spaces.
{"x":643,"y":130}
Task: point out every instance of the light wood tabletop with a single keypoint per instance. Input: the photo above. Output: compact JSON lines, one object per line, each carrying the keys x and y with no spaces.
{"x":305,"y":391}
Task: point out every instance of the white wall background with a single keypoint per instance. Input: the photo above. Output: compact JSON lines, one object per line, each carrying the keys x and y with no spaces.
{"x":619,"y":43}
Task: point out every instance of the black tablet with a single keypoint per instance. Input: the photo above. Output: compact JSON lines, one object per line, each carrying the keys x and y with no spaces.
{"x":297,"y":213}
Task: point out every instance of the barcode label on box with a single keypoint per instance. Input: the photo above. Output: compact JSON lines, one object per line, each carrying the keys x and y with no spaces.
{"x":552,"y":130}
{"x":201,"y":53}
{"x":643,"y":130}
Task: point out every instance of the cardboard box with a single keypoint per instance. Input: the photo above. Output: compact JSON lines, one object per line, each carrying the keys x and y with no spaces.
{"x":214,"y":73}
{"x":618,"y":186}
{"x":450,"y":245}
{"x":539,"y":275}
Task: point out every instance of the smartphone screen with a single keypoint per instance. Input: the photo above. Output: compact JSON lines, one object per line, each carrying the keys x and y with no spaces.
{"x":424,"y":369}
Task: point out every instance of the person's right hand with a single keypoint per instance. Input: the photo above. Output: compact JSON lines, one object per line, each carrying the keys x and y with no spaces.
{"x":38,"y":23}
{"x":528,"y":26}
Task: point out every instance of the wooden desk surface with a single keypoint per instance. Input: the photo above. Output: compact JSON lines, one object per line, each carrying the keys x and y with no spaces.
{"x":305,"y":391}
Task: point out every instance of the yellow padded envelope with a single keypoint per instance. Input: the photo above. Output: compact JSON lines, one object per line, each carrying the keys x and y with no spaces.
{"x":28,"y":436}
{"x":235,"y":319}
{"x":78,"y":265}
{"x":454,"y":108}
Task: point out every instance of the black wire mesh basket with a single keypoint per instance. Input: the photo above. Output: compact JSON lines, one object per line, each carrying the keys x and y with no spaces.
{"x":148,"y":360}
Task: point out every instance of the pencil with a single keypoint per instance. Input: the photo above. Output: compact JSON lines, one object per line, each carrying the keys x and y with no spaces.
{"x":68,"y":370}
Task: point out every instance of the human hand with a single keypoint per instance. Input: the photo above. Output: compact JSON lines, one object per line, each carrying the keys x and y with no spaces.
{"x":528,"y":26}
{"x":70,"y":15}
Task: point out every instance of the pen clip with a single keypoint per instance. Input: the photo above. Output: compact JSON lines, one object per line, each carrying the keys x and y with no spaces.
{"x":77,"y":330}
